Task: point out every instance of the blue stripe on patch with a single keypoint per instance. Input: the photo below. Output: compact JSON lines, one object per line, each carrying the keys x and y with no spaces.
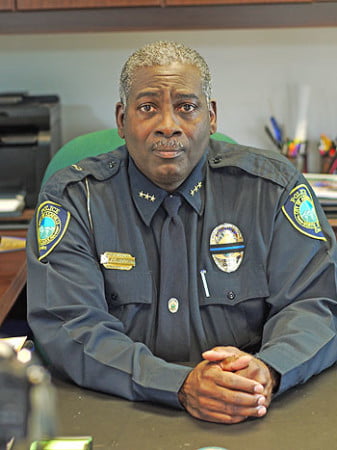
{"x":301,"y":213}
{"x":226,"y":248}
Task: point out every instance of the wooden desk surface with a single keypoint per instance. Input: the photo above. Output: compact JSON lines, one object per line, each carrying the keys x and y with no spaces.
{"x":13,"y":268}
{"x":302,"y":419}
{"x":13,"y":274}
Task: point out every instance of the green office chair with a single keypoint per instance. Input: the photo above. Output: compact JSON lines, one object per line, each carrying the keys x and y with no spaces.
{"x":93,"y":144}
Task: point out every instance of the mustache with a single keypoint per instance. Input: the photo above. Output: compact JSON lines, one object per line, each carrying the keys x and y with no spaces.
{"x":167,"y":144}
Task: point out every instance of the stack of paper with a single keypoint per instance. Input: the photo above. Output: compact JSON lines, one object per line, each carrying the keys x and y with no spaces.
{"x":325,"y":188}
{"x":11,"y":204}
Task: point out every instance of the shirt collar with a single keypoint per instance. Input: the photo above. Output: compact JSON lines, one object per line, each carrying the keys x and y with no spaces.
{"x":148,"y":197}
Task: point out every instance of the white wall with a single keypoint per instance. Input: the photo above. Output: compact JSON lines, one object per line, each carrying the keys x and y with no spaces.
{"x":255,"y":73}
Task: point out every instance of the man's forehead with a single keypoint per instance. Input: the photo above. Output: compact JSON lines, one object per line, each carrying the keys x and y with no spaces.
{"x":174,"y":67}
{"x":183,"y":79}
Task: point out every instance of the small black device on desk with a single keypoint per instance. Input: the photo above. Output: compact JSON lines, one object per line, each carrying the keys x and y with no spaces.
{"x":30,"y":134}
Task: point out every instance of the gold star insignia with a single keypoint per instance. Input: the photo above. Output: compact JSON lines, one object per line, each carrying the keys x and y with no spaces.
{"x":147,"y":196}
{"x":196,"y":188}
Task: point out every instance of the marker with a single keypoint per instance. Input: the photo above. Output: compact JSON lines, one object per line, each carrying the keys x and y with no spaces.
{"x":277,"y":130}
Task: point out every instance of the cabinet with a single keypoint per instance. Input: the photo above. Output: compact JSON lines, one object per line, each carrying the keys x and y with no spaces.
{"x":79,"y":16}
{"x":23,"y":5}
{"x":228,"y":2}
{"x":7,"y":5}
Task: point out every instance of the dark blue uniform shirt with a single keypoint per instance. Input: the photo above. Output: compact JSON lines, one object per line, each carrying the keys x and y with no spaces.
{"x":262,"y":270}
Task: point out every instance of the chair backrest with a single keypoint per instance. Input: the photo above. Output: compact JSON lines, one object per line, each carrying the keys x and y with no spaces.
{"x":92,"y":144}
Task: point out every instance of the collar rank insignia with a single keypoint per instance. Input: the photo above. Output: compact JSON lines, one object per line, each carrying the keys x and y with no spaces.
{"x":227,"y":247}
{"x":77,"y":167}
{"x":52,"y":223}
{"x":196,"y":188}
{"x":301,"y":213}
{"x":147,"y":196}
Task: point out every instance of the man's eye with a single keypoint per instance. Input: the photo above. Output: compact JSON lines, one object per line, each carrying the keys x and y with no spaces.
{"x":187,"y":107}
{"x":146,"y":108}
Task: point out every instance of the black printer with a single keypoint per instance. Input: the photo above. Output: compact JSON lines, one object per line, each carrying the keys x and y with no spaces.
{"x":30,"y":134}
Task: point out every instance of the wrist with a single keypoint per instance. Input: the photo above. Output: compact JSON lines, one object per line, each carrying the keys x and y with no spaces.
{"x":275,"y":378}
{"x":182,"y":396}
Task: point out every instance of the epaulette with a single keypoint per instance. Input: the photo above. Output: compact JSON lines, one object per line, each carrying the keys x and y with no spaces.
{"x":268,"y":164}
{"x":101,"y":167}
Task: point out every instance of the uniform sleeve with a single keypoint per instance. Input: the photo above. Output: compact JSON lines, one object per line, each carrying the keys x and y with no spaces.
{"x":68,"y":314}
{"x":299,"y":337}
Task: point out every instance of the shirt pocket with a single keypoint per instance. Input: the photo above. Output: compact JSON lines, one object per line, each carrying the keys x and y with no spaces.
{"x":130,"y":296}
{"x":235,"y":308}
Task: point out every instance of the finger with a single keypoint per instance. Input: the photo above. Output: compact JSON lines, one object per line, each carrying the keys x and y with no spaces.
{"x":230,"y":358}
{"x":236,"y":382}
{"x":257,"y":371}
{"x":234,"y":363}
{"x":238,"y":399}
{"x":217,"y":417}
{"x":219,"y":353}
{"x":216,"y":411}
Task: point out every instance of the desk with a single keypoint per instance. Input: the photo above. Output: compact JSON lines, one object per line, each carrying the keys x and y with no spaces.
{"x":13,"y":269}
{"x":302,"y":419}
{"x":13,"y":274}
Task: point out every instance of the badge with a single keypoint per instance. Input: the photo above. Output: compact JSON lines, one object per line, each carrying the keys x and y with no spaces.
{"x":118,"y":261}
{"x":227,"y":247}
{"x":52,"y":222}
{"x":173,"y":305}
{"x":301,"y":213}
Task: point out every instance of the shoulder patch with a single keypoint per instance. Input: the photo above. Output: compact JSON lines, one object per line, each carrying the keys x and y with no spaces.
{"x":301,"y":213}
{"x":51,"y":224}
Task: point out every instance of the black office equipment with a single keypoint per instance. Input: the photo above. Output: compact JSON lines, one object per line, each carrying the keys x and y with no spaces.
{"x":30,"y":134}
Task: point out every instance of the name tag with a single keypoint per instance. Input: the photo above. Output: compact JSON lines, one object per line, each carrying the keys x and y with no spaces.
{"x":118,"y":261}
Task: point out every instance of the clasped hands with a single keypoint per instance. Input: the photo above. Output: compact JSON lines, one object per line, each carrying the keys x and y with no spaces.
{"x":228,"y":386}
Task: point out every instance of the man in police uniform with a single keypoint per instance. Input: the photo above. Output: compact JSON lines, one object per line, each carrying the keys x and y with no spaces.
{"x":252,"y":308}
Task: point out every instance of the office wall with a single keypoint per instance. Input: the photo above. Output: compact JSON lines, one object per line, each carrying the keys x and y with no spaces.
{"x":256,"y":73}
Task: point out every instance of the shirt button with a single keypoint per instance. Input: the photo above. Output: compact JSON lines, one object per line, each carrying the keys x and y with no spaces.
{"x":217,"y":159}
{"x":173,"y":305}
{"x":231,"y":295}
{"x":111,"y":164}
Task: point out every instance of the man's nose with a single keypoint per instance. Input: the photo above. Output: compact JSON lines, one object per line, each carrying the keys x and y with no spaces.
{"x":168,"y":125}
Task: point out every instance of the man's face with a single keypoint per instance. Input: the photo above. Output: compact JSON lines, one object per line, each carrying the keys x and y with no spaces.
{"x":167,"y":122}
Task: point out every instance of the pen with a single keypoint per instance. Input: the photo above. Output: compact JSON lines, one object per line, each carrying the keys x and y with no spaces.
{"x":204,"y":281}
{"x":271,"y":137}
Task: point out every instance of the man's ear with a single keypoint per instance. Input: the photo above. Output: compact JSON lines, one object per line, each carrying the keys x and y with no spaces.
{"x":213,"y":117}
{"x":120,"y":116}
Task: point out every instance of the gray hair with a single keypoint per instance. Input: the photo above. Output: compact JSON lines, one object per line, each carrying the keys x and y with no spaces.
{"x":159,"y":54}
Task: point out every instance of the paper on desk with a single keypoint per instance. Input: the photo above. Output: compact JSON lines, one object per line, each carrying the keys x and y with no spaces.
{"x":15,"y":342}
{"x":11,"y":203}
{"x":11,"y":244}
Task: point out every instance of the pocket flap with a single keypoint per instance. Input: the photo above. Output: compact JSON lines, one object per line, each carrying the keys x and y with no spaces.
{"x":233,"y":288}
{"x":130,"y":287}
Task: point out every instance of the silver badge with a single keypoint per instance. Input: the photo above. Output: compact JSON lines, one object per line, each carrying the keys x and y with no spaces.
{"x":227,"y":247}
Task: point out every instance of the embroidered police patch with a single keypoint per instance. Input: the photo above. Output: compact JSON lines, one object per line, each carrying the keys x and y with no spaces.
{"x":227,"y":247}
{"x":301,"y":213}
{"x":52,"y":222}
